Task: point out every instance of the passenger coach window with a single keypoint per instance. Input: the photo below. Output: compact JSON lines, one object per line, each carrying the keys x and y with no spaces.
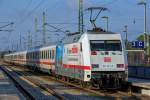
{"x":50,"y":55}
{"x":46,"y":54}
{"x":42,"y":54}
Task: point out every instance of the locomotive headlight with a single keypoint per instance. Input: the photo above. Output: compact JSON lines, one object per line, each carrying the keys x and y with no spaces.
{"x":95,"y":66}
{"x":120,"y":66}
{"x":88,"y":76}
{"x":93,"y":53}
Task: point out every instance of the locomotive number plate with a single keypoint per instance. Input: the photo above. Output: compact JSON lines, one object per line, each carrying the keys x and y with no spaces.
{"x":108,"y":65}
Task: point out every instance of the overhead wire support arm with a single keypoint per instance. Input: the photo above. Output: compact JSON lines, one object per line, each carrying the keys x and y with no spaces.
{"x":7,"y":25}
{"x":91,"y":9}
{"x":7,"y":30}
{"x":56,"y":29}
{"x":102,"y":9}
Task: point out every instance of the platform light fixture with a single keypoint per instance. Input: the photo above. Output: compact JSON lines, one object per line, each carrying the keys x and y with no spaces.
{"x":106,"y":17}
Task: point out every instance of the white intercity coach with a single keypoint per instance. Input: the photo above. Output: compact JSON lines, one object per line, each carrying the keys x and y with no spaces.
{"x":98,"y":58}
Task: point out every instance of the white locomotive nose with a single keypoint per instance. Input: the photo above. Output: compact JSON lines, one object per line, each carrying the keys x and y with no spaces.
{"x":107,"y":60}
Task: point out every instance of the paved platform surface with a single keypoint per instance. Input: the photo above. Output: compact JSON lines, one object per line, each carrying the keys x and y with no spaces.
{"x":143,"y":83}
{"x":8,"y":91}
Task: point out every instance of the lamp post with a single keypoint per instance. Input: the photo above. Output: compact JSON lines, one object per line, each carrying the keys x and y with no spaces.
{"x":106,"y":17}
{"x":146,"y":41}
{"x":126,"y":36}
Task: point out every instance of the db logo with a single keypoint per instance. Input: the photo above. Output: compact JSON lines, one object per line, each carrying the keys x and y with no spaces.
{"x":74,"y":49}
{"x":107,"y":59}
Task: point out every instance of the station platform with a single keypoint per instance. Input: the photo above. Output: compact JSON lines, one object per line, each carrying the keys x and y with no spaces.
{"x":8,"y":91}
{"x":143,"y":84}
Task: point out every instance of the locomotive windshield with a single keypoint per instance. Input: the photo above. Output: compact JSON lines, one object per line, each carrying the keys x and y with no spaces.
{"x":105,"y":45}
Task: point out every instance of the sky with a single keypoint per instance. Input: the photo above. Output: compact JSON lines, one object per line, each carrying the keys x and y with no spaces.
{"x":23,"y":13}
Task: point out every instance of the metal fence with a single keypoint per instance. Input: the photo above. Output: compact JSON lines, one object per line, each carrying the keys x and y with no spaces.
{"x":135,"y":57}
{"x":139,"y":72}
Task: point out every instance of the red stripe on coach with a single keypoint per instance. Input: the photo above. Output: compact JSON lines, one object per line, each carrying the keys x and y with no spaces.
{"x":77,"y":67}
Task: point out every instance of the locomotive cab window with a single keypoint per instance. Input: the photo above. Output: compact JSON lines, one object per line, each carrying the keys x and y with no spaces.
{"x":106,"y":45}
{"x":113,"y":45}
{"x":97,"y":45}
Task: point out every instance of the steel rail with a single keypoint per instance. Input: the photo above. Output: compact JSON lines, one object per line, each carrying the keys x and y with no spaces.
{"x":20,"y":88}
{"x":116,"y":95}
{"x":43,"y":87}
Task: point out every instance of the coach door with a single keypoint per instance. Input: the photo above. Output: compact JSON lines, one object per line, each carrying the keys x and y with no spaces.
{"x":59,"y":58}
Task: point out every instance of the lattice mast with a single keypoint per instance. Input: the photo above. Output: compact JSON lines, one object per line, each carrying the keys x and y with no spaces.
{"x":80,"y":26}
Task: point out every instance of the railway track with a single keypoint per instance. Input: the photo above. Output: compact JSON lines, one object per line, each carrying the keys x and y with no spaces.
{"x":25,"y":93}
{"x":118,"y":95}
{"x":28,"y":94}
{"x":48,"y":87}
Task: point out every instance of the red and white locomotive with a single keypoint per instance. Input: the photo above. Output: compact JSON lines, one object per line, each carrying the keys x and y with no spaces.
{"x":95,"y":57}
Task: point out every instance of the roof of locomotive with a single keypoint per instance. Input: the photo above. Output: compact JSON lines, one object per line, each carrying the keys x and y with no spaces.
{"x":72,"y":38}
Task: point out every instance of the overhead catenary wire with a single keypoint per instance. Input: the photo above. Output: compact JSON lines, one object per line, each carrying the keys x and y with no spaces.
{"x":6,"y":25}
{"x":31,"y":12}
{"x":57,"y":29}
{"x":63,"y":23}
{"x":110,"y":3}
{"x":28,"y":5}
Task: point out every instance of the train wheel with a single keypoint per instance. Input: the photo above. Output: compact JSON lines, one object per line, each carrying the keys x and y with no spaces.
{"x":56,"y":77}
{"x":53,"y":74}
{"x":34,"y":69}
{"x":67,"y":79}
{"x":93,"y":83}
{"x":50,"y":72}
{"x":63,"y":78}
{"x":59,"y":77}
{"x":84,"y":84}
{"x":100,"y":84}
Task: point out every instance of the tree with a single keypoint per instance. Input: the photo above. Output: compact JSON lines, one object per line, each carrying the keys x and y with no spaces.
{"x":140,"y":38}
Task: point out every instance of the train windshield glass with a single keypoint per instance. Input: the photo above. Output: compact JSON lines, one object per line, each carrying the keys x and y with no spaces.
{"x":106,"y":45}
